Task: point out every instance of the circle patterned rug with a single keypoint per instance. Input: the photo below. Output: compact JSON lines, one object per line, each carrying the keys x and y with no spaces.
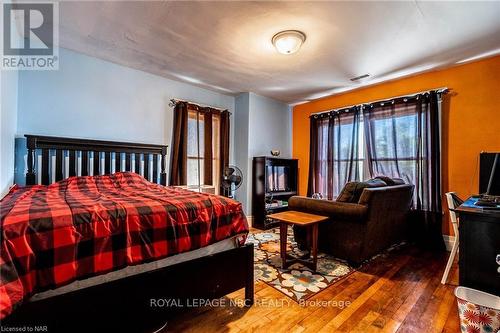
{"x":297,"y":281}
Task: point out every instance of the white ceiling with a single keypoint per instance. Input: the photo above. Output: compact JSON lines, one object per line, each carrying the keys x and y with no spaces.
{"x":226,"y":46}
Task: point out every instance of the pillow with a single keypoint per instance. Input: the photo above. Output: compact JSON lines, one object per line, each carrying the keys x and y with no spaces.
{"x":376,"y":183}
{"x":391,"y":181}
{"x":398,"y":181}
{"x":352,"y":190}
{"x":347,"y":192}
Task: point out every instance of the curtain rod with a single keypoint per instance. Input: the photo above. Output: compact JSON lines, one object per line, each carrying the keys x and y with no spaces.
{"x":442,"y":90}
{"x":173,"y":101}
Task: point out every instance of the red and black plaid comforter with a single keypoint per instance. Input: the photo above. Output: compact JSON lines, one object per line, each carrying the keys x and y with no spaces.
{"x":85,"y":226}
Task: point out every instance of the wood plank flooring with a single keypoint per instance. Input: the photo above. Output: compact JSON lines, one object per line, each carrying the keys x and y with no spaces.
{"x":400,"y":292}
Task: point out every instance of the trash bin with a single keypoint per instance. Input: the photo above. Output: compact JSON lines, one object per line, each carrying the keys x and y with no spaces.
{"x":479,"y":312}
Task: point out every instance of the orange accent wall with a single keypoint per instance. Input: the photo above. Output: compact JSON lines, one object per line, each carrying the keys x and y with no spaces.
{"x":470,"y":120}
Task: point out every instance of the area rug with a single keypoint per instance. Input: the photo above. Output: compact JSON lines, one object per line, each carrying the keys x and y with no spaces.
{"x":297,"y":281}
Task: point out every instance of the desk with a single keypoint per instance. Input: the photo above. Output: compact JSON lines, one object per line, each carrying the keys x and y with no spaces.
{"x":479,"y":231}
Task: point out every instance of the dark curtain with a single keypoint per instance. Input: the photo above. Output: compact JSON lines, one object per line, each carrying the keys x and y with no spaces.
{"x":208,"y":155}
{"x":224,"y":142}
{"x":346,"y":148}
{"x":402,"y":140}
{"x":334,"y":156}
{"x":178,"y":173}
{"x":315,"y":141}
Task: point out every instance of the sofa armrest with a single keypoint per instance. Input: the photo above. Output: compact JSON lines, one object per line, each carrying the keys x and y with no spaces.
{"x":333,"y":209}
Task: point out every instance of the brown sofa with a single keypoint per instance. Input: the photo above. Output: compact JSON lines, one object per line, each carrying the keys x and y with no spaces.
{"x":358,"y":230}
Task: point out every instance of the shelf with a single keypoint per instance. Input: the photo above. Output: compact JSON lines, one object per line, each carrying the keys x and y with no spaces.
{"x":276,"y":207}
{"x":274,"y":194}
{"x":262,"y":172}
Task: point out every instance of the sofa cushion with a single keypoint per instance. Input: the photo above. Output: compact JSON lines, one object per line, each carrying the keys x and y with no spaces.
{"x":391,"y":181}
{"x":340,"y":210}
{"x":352,"y":190}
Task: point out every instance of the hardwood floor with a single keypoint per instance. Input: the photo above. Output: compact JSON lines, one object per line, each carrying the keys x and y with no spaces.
{"x":400,"y":292}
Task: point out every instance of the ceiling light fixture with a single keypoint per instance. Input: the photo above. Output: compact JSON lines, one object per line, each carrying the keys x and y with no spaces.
{"x":288,"y":41}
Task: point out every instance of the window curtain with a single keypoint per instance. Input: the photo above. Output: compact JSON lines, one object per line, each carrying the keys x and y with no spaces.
{"x":224,"y":143}
{"x":334,"y":158}
{"x":206,"y":119}
{"x":178,"y":173}
{"x":207,"y":150}
{"x":403,"y":140}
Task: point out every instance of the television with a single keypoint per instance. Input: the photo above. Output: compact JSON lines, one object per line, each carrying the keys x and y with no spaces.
{"x":278,"y":178}
{"x":489,"y":173}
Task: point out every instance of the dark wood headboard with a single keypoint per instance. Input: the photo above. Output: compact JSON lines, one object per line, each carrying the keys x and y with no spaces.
{"x":77,"y":157}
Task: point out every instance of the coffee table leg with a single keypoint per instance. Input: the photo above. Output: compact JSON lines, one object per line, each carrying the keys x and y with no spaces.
{"x":315,"y":245}
{"x":283,"y":240}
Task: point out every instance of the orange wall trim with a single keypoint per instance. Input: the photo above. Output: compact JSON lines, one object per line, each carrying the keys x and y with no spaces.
{"x":470,"y":120}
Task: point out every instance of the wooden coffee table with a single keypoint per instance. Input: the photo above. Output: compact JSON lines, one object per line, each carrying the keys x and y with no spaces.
{"x":311,"y":222}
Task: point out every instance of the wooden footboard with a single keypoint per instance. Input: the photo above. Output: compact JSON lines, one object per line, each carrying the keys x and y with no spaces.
{"x":142,"y":303}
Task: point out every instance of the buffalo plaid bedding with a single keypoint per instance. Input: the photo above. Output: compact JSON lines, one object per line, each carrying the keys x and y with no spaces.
{"x":85,"y":226}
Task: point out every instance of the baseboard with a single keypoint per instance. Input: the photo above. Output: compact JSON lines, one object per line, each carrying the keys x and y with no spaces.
{"x":448,"y":241}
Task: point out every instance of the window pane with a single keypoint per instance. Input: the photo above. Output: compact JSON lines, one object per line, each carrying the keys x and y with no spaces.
{"x":202,"y":134}
{"x":405,"y":134}
{"x":216,"y":177}
{"x":383,"y":138}
{"x":343,"y":135}
{"x":192,"y":171}
{"x":196,"y":132}
{"x":216,"y":136}
{"x":399,"y":137}
{"x":407,"y":170}
{"x":361,"y":140}
{"x":192,"y":144}
{"x":196,"y":125}
{"x":202,"y":170}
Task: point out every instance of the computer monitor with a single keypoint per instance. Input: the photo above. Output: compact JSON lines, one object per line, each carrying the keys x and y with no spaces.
{"x":489,"y":175}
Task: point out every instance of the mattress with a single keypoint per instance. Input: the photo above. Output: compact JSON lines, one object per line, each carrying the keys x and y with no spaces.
{"x":224,"y":245}
{"x":88,"y":226}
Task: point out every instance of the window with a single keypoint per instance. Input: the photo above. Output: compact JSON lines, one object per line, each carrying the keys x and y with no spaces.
{"x":385,"y":140}
{"x":196,"y":152}
{"x":393,"y":144}
{"x":394,"y":152}
{"x":340,"y":154}
{"x":344,"y":136}
{"x":397,"y":138}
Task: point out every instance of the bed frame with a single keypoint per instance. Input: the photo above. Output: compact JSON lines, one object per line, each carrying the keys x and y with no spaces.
{"x":127,"y":301}
{"x":87,"y":162}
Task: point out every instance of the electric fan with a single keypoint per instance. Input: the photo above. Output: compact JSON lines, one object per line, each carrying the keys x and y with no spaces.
{"x":231,"y":180}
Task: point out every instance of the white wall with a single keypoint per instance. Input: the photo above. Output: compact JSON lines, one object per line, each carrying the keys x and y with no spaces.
{"x":92,"y":98}
{"x":270,"y":127}
{"x":8,"y":124}
{"x":241,"y":139}
{"x":264,"y":124}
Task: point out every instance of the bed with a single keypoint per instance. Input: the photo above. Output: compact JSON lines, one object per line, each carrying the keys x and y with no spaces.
{"x":98,"y":232}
